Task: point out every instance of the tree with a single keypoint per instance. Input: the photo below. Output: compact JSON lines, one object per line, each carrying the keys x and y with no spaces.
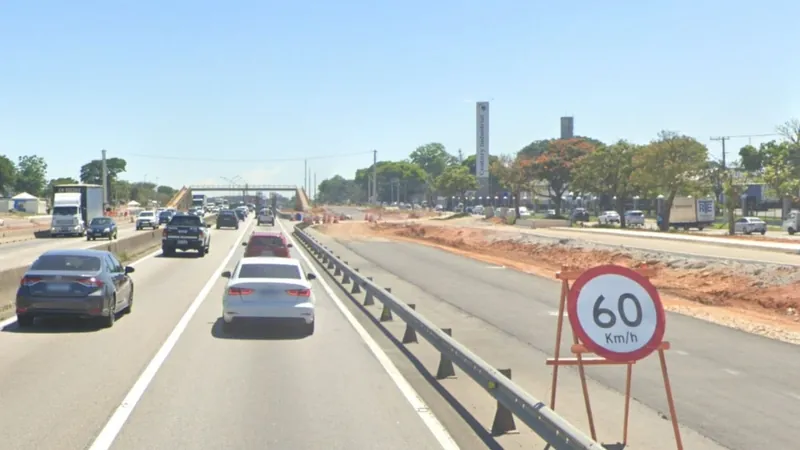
{"x":8,"y":176}
{"x":471,"y":162}
{"x":338,"y":190}
{"x":57,"y":182}
{"x":143,"y":192}
{"x":751,"y":158}
{"x":432,"y":158}
{"x":92,"y":172}
{"x":515,"y":173}
{"x":31,"y":175}
{"x":120,"y":191}
{"x":166,"y":190}
{"x":670,"y":164}
{"x":608,"y":171}
{"x":780,"y":172}
{"x":397,"y":180}
{"x":456,"y":180}
{"x":556,"y":162}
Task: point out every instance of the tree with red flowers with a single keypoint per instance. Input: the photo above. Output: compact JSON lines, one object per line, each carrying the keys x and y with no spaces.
{"x":554,"y":161}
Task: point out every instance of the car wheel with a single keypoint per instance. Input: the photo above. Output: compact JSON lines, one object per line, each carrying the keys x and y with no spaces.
{"x":129,"y":308}
{"x":24,"y":320}
{"x":308,"y":328}
{"x":108,"y":322}
{"x":167,"y":251}
{"x":763,"y":232}
{"x":201,"y":252}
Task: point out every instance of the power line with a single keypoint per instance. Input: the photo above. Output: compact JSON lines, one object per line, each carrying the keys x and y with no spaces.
{"x":247,"y":160}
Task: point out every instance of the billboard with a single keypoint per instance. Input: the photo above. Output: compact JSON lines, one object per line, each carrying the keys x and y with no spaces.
{"x":482,"y":142}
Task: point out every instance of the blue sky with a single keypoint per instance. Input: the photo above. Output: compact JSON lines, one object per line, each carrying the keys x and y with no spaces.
{"x":192,"y":91}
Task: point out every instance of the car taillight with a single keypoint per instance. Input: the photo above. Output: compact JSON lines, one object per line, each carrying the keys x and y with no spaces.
{"x":239,"y":291}
{"x":201,"y":233}
{"x":299,"y":292}
{"x":90,"y":282}
{"x":29,"y":281}
{"x":164,"y":233}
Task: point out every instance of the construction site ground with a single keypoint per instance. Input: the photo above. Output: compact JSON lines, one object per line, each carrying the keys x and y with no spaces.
{"x":755,"y":297}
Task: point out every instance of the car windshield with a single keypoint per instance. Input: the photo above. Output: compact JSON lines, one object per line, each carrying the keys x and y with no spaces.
{"x":269,"y":271}
{"x":266,"y":241}
{"x":165,"y":214}
{"x":68,"y":263}
{"x":146,"y":214}
{"x":188,"y":221}
{"x":226,"y":213}
{"x":65,"y":210}
{"x":101,"y":221}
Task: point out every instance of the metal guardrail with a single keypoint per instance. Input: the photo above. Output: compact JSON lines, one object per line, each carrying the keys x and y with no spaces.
{"x":556,"y":431}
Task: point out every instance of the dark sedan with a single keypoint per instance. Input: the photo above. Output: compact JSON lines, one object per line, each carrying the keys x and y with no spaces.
{"x":164,"y":217}
{"x":87,"y":284}
{"x":227,"y":219}
{"x":101,"y":227}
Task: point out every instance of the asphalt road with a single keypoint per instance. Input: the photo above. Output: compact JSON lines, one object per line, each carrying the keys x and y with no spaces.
{"x":62,"y":382}
{"x":738,"y":389}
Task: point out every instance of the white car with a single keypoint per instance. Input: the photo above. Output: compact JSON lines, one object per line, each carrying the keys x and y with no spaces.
{"x":750,"y":225}
{"x":147,"y":219}
{"x":268,"y":288}
{"x":608,"y":218}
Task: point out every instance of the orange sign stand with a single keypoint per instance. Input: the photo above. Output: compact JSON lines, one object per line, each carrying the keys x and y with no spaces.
{"x":585,"y":357}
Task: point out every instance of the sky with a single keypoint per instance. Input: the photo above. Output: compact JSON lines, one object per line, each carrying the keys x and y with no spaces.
{"x":197,"y":92}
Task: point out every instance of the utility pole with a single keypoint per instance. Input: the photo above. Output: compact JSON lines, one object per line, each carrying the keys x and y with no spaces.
{"x":722,"y":139}
{"x":105,"y":181}
{"x":375,"y":177}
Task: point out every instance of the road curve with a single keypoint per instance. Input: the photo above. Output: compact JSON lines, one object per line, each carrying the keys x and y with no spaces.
{"x":61,"y":382}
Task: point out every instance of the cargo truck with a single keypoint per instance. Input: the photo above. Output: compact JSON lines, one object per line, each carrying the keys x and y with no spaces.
{"x":689,"y":212}
{"x":74,"y":207}
{"x":199,"y":201}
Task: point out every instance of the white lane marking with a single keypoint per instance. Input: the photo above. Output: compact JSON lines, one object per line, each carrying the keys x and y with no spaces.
{"x":732,"y":372}
{"x":793,"y":395}
{"x":682,"y":353}
{"x":495,"y":267}
{"x":13,"y":319}
{"x":555,"y":313}
{"x":428,"y":418}
{"x":114,"y":425}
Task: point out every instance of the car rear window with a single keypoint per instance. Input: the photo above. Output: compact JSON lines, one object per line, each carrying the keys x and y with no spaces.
{"x":69,"y":263}
{"x":146,"y":214}
{"x":269,"y":271}
{"x":188,"y":221}
{"x":101,"y":221}
{"x":266,"y":241}
{"x":226,"y":213}
{"x":635,"y":214}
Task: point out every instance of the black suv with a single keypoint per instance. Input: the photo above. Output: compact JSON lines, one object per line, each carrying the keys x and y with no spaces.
{"x":580,"y":215}
{"x":186,"y":232}
{"x":227,"y":219}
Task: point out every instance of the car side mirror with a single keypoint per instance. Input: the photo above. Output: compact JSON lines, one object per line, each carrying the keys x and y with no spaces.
{"x":244,"y":244}
{"x":129,"y":269}
{"x":311,"y":276}
{"x":226,"y":274}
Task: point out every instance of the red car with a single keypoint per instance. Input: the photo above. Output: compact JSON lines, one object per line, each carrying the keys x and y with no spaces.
{"x":267,"y":243}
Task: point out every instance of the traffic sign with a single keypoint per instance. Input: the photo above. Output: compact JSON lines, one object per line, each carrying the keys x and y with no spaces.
{"x":616,"y":313}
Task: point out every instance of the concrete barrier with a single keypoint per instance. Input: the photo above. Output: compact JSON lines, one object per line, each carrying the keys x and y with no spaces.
{"x":542,"y":223}
{"x":124,"y":248}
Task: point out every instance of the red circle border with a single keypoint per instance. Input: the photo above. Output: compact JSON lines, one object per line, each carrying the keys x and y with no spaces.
{"x":612,"y":269}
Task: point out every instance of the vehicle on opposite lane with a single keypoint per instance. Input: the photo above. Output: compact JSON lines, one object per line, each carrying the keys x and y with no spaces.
{"x":89,"y":284}
{"x":101,"y":227}
{"x":186,"y":232}
{"x":268,"y":288}
{"x":267,"y":243}
{"x":147,"y":219}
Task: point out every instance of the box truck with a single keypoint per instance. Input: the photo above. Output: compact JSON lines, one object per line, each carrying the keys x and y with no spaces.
{"x":74,"y":207}
{"x":689,"y":212}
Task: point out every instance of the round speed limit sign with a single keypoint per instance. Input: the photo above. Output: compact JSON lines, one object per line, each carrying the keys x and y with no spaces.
{"x":617,"y":313}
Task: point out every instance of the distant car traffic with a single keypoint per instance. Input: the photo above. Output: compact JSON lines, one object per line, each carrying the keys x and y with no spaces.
{"x":265,"y":216}
{"x":634,"y":218}
{"x":241,"y":213}
{"x":101,"y":227}
{"x":580,"y":215}
{"x":227,"y":219}
{"x":147,"y":219}
{"x":89,"y":284}
{"x":750,"y":225}
{"x":268,"y":288}
{"x":267,"y":243}
{"x":165,"y":216}
{"x":608,"y":218}
{"x":186,"y":232}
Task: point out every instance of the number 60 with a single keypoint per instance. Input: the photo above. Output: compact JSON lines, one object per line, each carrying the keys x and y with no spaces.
{"x":605,"y":318}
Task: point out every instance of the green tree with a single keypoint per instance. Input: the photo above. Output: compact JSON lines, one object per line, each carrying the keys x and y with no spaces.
{"x":120,"y":191}
{"x":432,"y":158}
{"x":608,"y":170}
{"x":556,"y":163}
{"x":751,"y":158}
{"x":31,"y":175}
{"x":456,"y":180}
{"x":780,"y":173}
{"x":8,"y":176}
{"x":471,"y":162}
{"x":166,"y":190}
{"x":143,"y":192}
{"x":57,"y":182}
{"x":396,"y":179}
{"x":92,"y":172}
{"x":670,"y":164}
{"x":514,"y":173}
{"x":338,"y":190}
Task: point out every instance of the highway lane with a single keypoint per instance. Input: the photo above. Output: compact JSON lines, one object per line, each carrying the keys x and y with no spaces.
{"x":736,"y":388}
{"x":19,"y":254}
{"x":273,"y":389}
{"x":60,"y":383}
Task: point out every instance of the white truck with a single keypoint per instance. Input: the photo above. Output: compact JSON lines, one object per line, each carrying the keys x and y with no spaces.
{"x":199,"y":201}
{"x":74,"y":207}
{"x":689,"y":212}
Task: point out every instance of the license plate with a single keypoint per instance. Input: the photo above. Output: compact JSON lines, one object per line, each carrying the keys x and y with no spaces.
{"x":183,"y":231}
{"x":183,"y":241}
{"x":58,"y":287}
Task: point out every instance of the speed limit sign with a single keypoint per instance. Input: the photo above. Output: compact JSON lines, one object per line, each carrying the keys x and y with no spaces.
{"x":616,"y":312}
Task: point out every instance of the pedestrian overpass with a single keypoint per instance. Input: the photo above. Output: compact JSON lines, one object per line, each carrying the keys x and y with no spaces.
{"x":183,"y":198}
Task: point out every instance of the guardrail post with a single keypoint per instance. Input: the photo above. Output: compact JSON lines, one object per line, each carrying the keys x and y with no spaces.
{"x":368,"y":299}
{"x":338,"y":271}
{"x":324,"y":258}
{"x":330,"y":263}
{"x":410,"y":336}
{"x":386,"y":313}
{"x":356,"y":288}
{"x":503,"y":419}
{"x":346,"y":279}
{"x":446,"y":369}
